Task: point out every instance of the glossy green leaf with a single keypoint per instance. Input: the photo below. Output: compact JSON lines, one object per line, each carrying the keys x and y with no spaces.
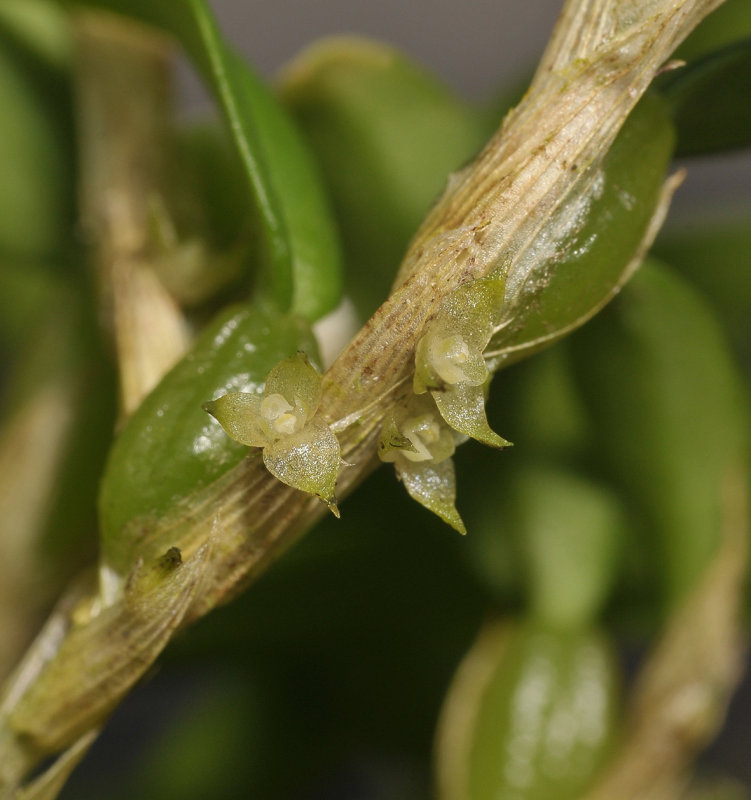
{"x":709,"y":101}
{"x":668,"y":415}
{"x":529,"y":716}
{"x":386,"y":134}
{"x":170,"y":447}
{"x":302,"y":244}
{"x":586,"y":265}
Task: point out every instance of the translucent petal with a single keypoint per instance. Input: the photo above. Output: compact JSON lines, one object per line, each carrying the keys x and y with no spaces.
{"x":298,"y":381}
{"x":239,"y":413}
{"x":433,"y":486}
{"x":463,"y":408}
{"x":472,"y":311}
{"x":393,"y":442}
{"x":308,"y":460}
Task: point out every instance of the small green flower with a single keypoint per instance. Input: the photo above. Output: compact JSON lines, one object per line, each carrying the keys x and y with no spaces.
{"x":420,"y":445}
{"x":449,"y":361}
{"x":298,"y":449}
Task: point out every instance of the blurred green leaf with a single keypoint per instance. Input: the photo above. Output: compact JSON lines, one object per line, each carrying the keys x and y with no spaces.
{"x":570,"y":531}
{"x":386,"y":134}
{"x":530,"y":714}
{"x":666,"y":406}
{"x":709,"y":101}
{"x":728,"y":23}
{"x":303,"y":250}
{"x":41,"y":28}
{"x":715,"y":255}
{"x":58,"y":351}
{"x":36,"y":145}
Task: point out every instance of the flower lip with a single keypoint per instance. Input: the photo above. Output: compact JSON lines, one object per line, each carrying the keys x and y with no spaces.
{"x":422,"y":432}
{"x":280,"y":416}
{"x":447,"y":355}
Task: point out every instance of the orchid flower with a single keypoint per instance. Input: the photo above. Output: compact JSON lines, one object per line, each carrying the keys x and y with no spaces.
{"x":420,"y":445}
{"x":449,"y":361}
{"x":298,"y":448}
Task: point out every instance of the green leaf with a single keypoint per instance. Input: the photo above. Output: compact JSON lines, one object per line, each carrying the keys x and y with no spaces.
{"x":37,"y":191}
{"x":170,"y":448}
{"x":529,"y":715}
{"x":715,"y":256}
{"x":725,"y":25}
{"x":569,"y":531}
{"x":303,"y":249}
{"x":386,"y":134}
{"x":668,"y":414}
{"x":588,"y":264}
{"x":709,"y":101}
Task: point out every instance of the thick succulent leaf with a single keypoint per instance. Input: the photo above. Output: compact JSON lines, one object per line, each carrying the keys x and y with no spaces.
{"x":239,"y":413}
{"x":308,"y":460}
{"x":297,"y":380}
{"x":463,"y":408}
{"x":304,"y":272}
{"x":433,"y":486}
{"x":530,"y":714}
{"x":592,"y":243}
{"x":709,"y":101}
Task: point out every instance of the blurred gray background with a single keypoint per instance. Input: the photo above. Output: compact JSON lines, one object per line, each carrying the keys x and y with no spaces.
{"x":474,"y":46}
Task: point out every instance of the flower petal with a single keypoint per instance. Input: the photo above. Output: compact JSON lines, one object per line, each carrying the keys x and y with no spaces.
{"x":473,"y":310}
{"x":463,"y":408}
{"x":433,"y":486}
{"x":298,"y":381}
{"x":393,"y":442}
{"x":239,"y":413}
{"x":307,"y":460}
